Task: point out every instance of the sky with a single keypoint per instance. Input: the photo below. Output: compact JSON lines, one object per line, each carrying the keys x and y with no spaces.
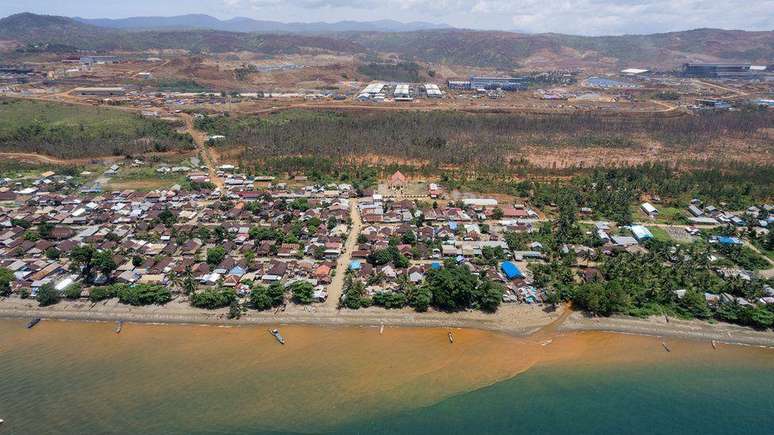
{"x":581,"y":17}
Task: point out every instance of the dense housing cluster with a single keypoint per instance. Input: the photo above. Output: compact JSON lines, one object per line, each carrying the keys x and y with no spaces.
{"x":215,"y":240}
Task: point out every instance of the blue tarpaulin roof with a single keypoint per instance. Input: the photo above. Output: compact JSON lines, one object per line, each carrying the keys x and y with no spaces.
{"x":436,"y":265}
{"x":511,"y":270}
{"x":726,"y":240}
{"x":354,"y":265}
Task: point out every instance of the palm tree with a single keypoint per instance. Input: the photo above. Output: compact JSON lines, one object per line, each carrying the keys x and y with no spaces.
{"x":189,"y":282}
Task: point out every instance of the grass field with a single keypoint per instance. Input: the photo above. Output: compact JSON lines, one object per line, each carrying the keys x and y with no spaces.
{"x":143,"y":179}
{"x":660,"y":234}
{"x":68,"y":131}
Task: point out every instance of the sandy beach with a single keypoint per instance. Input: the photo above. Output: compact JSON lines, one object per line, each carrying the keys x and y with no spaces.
{"x":675,"y":328}
{"x":513,"y":319}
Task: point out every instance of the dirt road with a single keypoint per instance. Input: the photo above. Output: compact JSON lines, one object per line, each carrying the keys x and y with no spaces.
{"x":200,"y":139}
{"x":337,"y":286}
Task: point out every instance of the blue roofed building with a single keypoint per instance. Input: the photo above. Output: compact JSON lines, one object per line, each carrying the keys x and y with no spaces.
{"x":511,"y":270}
{"x":728,"y":240}
{"x":354,"y":265}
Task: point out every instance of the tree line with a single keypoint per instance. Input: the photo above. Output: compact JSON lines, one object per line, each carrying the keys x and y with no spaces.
{"x":470,"y":140}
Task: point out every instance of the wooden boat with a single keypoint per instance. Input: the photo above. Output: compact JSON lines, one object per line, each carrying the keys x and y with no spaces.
{"x":381,"y":330}
{"x":714,"y":344}
{"x":451,"y":337}
{"x":119,"y":326}
{"x":31,"y":324}
{"x":666,"y":347}
{"x":276,"y":334}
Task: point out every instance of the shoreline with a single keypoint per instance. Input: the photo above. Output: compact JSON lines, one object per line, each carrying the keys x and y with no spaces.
{"x":515,"y":320}
{"x":693,"y":330}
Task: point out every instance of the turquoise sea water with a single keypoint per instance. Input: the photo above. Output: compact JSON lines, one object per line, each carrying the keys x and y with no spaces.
{"x":665,"y":399}
{"x":78,"y":378}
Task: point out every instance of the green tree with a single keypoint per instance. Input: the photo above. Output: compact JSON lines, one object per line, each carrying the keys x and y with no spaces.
{"x":213,"y":298}
{"x":354,"y":296}
{"x":47,"y":295}
{"x":102,"y":261}
{"x":390,"y":300}
{"x":141,"y":294}
{"x":6,"y":278}
{"x":260,"y":298}
{"x":72,"y":291}
{"x":97,"y":294}
{"x":44,"y":229}
{"x":489,"y":295}
{"x":695,"y":304}
{"x":215,"y":255}
{"x":420,"y":298}
{"x":453,"y":287}
{"x":302,"y":292}
{"x":52,"y":253}
{"x":234,"y":310}
{"x":80,"y":259}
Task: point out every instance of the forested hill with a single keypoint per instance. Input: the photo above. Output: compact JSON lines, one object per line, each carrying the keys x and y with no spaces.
{"x":457,"y":47}
{"x":63,"y":33}
{"x":509,"y":50}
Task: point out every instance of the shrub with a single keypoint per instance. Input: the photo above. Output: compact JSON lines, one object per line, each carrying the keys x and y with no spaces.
{"x":213,"y":298}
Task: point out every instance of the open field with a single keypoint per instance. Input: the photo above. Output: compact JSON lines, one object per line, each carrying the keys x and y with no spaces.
{"x":67,"y":131}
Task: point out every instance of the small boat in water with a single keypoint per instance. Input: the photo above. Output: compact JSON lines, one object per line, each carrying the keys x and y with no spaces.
{"x":451,"y":337}
{"x":714,"y":344}
{"x":31,"y":324}
{"x":276,"y":334}
{"x":381,"y":330}
{"x":119,"y":326}
{"x":666,"y":347}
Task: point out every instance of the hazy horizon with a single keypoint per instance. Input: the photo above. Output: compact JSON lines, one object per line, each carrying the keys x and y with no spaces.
{"x":580,"y":17}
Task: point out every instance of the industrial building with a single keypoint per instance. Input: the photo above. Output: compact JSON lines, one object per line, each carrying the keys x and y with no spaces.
{"x":402,"y":92}
{"x":458,"y":84}
{"x":504,"y":83}
{"x":15,"y":74}
{"x":432,"y":90}
{"x":490,"y":83}
{"x":717,"y":70}
{"x":92,"y":60}
{"x":371,"y":92}
{"x":708,"y":103}
{"x":99,"y":92}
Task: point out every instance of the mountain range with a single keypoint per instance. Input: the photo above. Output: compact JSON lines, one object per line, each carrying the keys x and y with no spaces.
{"x":248,"y":25}
{"x":491,"y":49}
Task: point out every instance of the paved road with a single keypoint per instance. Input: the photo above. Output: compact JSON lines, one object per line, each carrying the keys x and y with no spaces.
{"x":337,"y":286}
